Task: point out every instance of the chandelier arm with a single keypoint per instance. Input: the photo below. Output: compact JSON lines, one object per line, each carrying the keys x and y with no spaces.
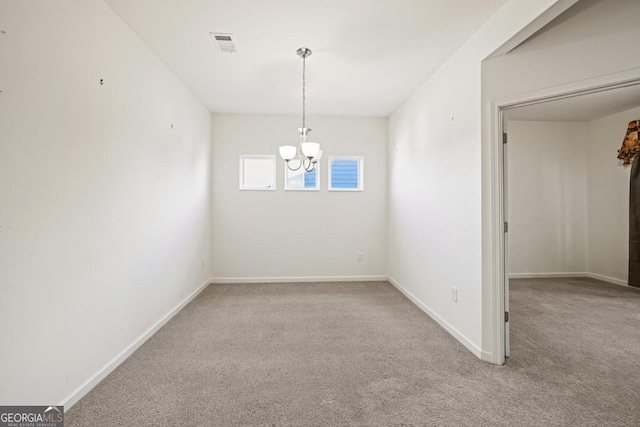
{"x":292,"y":169}
{"x":312,"y":166}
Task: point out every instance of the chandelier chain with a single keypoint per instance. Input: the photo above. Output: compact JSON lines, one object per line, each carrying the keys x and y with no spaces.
{"x":307,"y":154}
{"x":304,"y":84}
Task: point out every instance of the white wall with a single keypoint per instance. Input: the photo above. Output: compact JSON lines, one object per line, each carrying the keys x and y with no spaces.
{"x":593,"y":41}
{"x":104,"y":209}
{"x":569,"y":198}
{"x":296,"y":235}
{"x":435,"y":192}
{"x":547,"y":197}
{"x":608,"y":192}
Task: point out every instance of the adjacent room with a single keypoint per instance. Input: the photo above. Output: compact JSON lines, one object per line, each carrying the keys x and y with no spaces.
{"x":568,"y":209}
{"x":291,"y":213}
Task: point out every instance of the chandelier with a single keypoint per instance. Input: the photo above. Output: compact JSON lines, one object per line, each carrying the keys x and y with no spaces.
{"x":307,"y":154}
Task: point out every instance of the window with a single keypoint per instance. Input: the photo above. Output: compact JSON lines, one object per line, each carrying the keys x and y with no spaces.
{"x":301,"y":180}
{"x":346,"y":173}
{"x":257,"y":172}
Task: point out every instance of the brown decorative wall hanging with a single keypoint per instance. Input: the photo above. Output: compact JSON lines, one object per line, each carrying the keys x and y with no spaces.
{"x":630,"y":146}
{"x":628,"y":153}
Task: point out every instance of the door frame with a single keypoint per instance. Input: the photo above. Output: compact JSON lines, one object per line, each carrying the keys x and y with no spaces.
{"x":497,"y":168}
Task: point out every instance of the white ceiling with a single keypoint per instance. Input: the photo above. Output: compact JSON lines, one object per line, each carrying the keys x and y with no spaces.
{"x":368,"y":55}
{"x":582,"y":108}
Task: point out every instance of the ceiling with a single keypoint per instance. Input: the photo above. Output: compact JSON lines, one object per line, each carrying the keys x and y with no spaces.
{"x":368,"y":55}
{"x":582,"y":108}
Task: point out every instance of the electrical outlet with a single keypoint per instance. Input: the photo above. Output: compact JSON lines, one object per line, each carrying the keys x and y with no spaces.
{"x":360,"y":257}
{"x":454,"y":294}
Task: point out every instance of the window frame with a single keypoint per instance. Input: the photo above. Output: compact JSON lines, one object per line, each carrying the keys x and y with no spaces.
{"x":286,"y":180}
{"x":359,"y":159}
{"x":242,"y":186}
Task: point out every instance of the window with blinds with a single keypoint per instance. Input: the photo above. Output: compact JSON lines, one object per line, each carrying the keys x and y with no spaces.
{"x":346,"y":173}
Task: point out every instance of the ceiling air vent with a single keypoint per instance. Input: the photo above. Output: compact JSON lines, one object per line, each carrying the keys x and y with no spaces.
{"x":224,"y":42}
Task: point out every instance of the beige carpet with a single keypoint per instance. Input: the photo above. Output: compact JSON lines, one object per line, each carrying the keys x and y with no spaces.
{"x":361,"y":354}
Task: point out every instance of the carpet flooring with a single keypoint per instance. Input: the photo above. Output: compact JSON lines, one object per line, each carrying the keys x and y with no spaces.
{"x":361,"y":354}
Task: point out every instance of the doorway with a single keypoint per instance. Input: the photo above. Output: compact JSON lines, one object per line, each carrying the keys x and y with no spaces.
{"x":542,"y":102}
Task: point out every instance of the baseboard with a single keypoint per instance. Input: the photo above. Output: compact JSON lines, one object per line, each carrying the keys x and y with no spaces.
{"x":546,"y":275}
{"x":299,"y":279}
{"x":609,"y":279}
{"x":487,"y":356}
{"x":83,"y":389}
{"x":446,"y":325}
{"x":564,"y":275}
